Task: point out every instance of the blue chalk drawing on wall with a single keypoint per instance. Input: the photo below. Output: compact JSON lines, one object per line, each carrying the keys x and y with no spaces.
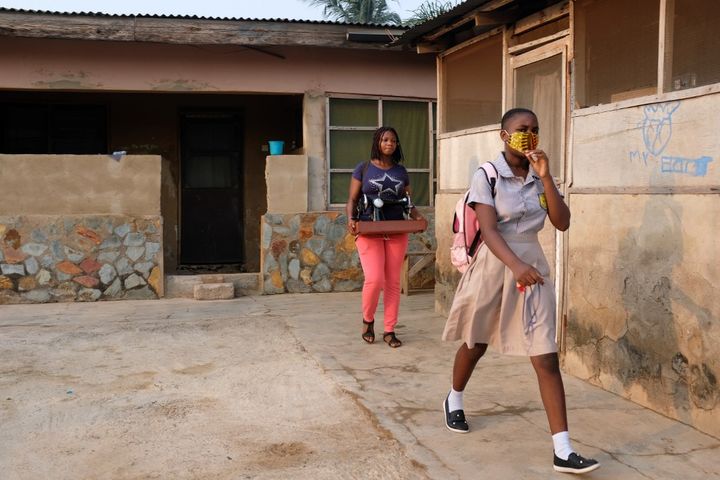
{"x":656,"y":127}
{"x":697,"y":167}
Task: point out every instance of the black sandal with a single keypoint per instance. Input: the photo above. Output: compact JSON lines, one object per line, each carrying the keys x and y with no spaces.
{"x":391,"y":339}
{"x":369,"y":334}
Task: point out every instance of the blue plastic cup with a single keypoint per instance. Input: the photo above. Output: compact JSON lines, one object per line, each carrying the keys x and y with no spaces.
{"x":276,"y":147}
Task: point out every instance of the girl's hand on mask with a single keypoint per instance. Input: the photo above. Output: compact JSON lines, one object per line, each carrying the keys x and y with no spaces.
{"x":539,"y":161}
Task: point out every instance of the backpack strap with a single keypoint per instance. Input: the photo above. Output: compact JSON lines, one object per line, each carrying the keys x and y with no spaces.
{"x":491,"y":174}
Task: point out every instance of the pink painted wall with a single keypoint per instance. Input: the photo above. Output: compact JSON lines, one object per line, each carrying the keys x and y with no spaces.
{"x":73,"y":65}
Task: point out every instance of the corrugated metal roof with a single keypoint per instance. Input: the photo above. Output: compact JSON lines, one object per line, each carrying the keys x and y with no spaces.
{"x":196,"y":17}
{"x":441,"y":20}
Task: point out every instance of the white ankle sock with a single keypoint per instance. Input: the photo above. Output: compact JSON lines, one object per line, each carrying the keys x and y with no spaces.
{"x":455,"y":400}
{"x":561,"y":442}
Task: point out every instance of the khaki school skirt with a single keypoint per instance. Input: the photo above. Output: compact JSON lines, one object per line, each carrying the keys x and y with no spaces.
{"x":488,"y":308}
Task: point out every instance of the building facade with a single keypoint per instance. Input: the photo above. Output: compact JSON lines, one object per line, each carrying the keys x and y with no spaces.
{"x":200,"y":100}
{"x":627,"y":96}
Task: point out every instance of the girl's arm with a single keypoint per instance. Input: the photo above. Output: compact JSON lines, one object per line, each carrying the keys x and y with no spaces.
{"x":558,"y":211}
{"x":353,"y":196}
{"x":524,"y":274}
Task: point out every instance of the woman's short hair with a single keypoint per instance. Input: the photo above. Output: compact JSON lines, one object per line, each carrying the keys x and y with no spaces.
{"x":397,"y":155}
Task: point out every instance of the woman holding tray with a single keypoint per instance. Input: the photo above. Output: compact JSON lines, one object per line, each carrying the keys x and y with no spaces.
{"x":381,"y":256}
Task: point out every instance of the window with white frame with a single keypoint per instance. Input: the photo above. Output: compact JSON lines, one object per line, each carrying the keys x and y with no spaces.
{"x":351,"y":124}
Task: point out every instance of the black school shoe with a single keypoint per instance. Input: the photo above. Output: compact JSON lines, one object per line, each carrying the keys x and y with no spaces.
{"x":574,"y":464}
{"x":455,"y":420}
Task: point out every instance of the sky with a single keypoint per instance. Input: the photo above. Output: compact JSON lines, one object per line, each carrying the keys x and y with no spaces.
{"x":282,"y":9}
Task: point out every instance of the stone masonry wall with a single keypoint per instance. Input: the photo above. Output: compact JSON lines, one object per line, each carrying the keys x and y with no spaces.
{"x":66,"y":258}
{"x":312,"y":252}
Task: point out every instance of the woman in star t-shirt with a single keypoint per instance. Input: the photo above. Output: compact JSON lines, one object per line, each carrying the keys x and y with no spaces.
{"x":381,"y":256}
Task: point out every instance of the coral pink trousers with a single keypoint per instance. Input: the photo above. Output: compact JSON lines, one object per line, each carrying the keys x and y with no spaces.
{"x":382,"y":259}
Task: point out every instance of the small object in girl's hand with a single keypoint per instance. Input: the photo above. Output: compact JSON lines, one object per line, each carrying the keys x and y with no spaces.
{"x":521,"y":288}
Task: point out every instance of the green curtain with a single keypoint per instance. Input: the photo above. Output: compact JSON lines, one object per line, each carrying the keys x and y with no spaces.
{"x":349,"y":147}
{"x":345,"y":112}
{"x":339,"y":187}
{"x":410,"y":119}
{"x":420,"y":188}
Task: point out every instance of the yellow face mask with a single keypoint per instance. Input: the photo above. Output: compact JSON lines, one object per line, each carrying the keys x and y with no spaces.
{"x":523,"y":141}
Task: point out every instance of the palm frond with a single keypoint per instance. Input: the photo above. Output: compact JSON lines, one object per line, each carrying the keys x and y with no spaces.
{"x":427,"y":11}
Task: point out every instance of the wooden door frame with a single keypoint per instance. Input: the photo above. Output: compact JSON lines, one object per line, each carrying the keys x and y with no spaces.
{"x":563,"y":47}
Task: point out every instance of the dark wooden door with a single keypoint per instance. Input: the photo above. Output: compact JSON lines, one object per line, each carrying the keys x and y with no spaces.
{"x":211,"y":198}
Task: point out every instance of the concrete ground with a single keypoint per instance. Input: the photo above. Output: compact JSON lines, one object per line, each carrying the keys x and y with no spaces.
{"x":276,"y":387}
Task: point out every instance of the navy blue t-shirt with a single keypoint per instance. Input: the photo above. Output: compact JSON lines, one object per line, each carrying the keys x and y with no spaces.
{"x":387,"y":184}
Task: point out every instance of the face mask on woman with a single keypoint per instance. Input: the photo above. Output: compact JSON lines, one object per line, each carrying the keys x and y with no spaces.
{"x":523,"y":141}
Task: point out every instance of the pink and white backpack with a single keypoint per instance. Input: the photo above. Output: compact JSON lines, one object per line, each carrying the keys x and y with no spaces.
{"x":465,"y":227}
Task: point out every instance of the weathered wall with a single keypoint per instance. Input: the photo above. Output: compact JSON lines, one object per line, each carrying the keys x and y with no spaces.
{"x":286,"y":177}
{"x":312,"y":252}
{"x":314,"y":147}
{"x":460,"y":156}
{"x":644,"y":255}
{"x":79,"y":228}
{"x":79,"y":184}
{"x":47,"y":64}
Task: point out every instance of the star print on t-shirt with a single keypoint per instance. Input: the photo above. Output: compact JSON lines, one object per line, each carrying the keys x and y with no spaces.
{"x":387,"y":184}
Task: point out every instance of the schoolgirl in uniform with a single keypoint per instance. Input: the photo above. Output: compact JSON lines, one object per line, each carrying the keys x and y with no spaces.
{"x":506,"y":298}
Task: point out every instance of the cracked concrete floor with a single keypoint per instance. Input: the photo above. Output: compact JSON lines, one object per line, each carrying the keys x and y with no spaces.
{"x":283,"y":387}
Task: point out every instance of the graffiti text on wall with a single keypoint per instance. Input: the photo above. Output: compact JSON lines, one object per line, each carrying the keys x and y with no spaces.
{"x":656,"y":127}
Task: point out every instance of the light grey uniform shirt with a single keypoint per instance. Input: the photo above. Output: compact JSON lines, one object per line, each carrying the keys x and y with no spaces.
{"x":520,"y":203}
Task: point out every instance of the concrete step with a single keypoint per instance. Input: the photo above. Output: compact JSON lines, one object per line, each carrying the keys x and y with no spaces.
{"x":214,"y":291}
{"x":181,"y":286}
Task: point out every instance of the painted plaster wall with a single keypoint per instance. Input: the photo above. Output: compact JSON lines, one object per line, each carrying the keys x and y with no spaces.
{"x":79,"y":184}
{"x":47,"y":64}
{"x":314,"y":147}
{"x":459,"y":157}
{"x":668,"y":144}
{"x":286,"y":177}
{"x":642,"y":308}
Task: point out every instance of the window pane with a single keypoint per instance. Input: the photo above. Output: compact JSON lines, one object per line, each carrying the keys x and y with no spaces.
{"x":339,"y":187}
{"x":348,"y":148}
{"x":411,"y":121}
{"x":24,"y":129}
{"x":473,"y":85}
{"x":353,"y":113}
{"x":538,"y":86}
{"x":616,"y":54}
{"x":419,"y":188}
{"x":78,"y":129}
{"x":696,"y":44}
